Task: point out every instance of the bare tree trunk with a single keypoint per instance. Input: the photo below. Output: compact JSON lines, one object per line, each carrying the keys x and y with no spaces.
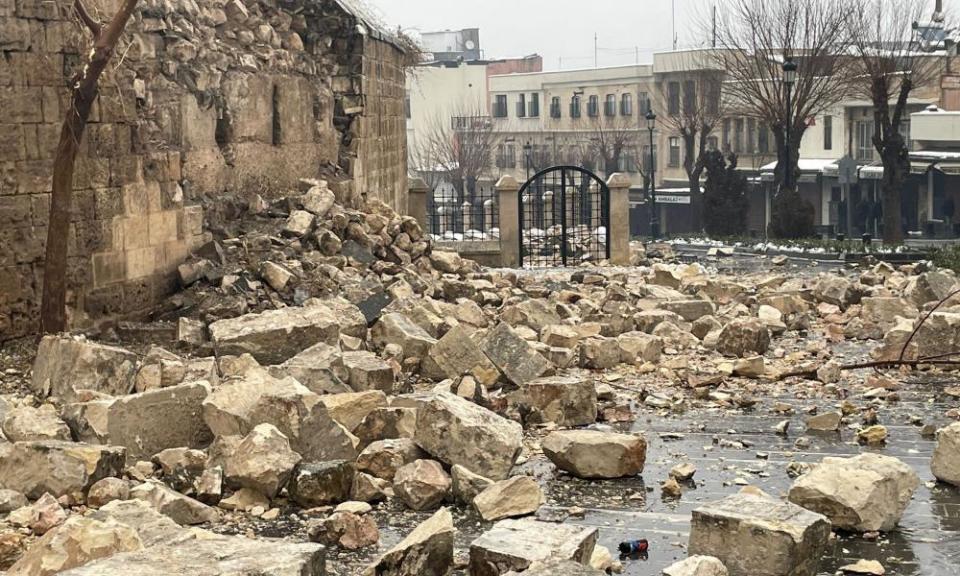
{"x":783,"y":161}
{"x":893,"y":154}
{"x":894,"y":175}
{"x":693,"y":180}
{"x":53,"y":306}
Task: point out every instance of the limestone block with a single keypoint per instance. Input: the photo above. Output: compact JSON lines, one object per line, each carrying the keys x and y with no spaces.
{"x":276,"y":335}
{"x":57,"y":467}
{"x":566,"y":401}
{"x":65,"y":365}
{"x":215,"y":556}
{"x":457,"y":431}
{"x":865,"y":493}
{"x":518,"y":544}
{"x":756,"y":535}
{"x":946,"y":457}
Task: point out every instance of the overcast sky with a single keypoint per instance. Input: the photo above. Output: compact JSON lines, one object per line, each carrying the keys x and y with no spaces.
{"x":562,"y":29}
{"x":554,"y":29}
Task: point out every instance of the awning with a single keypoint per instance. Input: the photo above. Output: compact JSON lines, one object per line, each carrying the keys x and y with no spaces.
{"x":875,"y":171}
{"x":949,"y":168}
{"x":871,"y":172}
{"x":809,"y":168}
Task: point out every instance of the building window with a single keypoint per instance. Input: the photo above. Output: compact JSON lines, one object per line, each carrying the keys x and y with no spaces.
{"x":534,"y":106}
{"x":712,"y":144}
{"x":575,"y":107}
{"x":763,"y":139}
{"x":593,"y":106}
{"x":610,"y":106}
{"x":674,"y":152}
{"x":673,"y":98}
{"x":555,"y":107}
{"x":864,"y":131}
{"x":406,"y":106}
{"x":626,"y":105}
{"x":506,"y":156}
{"x":828,"y":132}
{"x":713,"y":96}
{"x":644,"y":102}
{"x":522,"y":106}
{"x":738,"y":136}
{"x":500,"y":106}
{"x":649,"y":160}
{"x":751,"y":135}
{"x":689,"y":97}
{"x":726,"y":135}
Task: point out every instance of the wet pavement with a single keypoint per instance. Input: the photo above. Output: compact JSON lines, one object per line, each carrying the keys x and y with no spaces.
{"x":927,"y":542}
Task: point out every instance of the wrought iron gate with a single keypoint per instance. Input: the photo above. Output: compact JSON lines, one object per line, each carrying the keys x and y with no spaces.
{"x":564,"y":218}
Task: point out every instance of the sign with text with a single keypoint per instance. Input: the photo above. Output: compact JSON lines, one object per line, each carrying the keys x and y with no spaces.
{"x":672,"y":199}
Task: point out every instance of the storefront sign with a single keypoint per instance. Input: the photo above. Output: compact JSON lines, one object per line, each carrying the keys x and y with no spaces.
{"x":672,"y":199}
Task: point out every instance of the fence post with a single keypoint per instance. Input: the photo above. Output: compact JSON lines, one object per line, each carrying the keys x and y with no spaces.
{"x":417,"y":202}
{"x":618,"y":228}
{"x":507,"y":190}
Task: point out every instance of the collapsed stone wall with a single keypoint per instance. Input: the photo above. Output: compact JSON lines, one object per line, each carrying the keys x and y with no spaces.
{"x":203,"y":98}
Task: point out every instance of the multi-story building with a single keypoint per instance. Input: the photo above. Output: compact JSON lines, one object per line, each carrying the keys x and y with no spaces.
{"x":595,"y":118}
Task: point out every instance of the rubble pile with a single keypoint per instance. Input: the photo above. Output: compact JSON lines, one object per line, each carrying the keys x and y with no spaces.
{"x":328,"y":365}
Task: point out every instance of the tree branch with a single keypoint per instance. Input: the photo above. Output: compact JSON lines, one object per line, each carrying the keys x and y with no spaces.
{"x":87,"y":19}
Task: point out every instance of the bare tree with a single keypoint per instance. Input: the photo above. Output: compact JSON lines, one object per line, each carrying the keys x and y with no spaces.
{"x":84,"y":93}
{"x":606,"y":140}
{"x":457,"y":150}
{"x":889,"y":66}
{"x":754,"y":37}
{"x":693,"y":108}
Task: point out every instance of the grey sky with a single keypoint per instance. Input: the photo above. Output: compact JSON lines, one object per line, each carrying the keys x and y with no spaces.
{"x":555,"y":29}
{"x":563,"y":29}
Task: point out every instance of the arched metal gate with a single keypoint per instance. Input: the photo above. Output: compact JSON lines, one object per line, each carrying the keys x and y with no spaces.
{"x":564,"y":218}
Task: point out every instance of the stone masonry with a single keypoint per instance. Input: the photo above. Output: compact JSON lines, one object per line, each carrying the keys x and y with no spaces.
{"x":210,"y":97}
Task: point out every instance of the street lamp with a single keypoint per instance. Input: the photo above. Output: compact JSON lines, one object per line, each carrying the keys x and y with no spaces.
{"x":527,"y":151}
{"x":789,"y":79}
{"x":654,"y":219}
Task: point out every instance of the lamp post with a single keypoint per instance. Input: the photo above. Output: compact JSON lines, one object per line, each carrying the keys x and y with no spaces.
{"x":654,"y":218}
{"x":789,"y":78}
{"x":527,"y":151}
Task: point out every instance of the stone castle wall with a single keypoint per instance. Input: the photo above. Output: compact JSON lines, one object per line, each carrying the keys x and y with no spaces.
{"x":203,"y":98}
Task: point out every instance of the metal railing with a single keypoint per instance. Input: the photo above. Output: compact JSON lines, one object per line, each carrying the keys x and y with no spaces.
{"x":463,"y":214}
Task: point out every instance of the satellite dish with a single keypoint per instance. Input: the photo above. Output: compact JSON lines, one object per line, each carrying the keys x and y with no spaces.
{"x":470,"y":44}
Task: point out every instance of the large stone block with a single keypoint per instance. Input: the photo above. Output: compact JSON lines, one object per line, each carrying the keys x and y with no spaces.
{"x":320,"y":368}
{"x":596,"y":454}
{"x":275,"y":336}
{"x":513,"y":355}
{"x":515,"y":545}
{"x":395,"y":328}
{"x":426,"y":551}
{"x":756,"y":535}
{"x":72,"y":544}
{"x":865,"y":493}
{"x":946,"y":457}
{"x":242,"y":403}
{"x":214,"y":556}
{"x":567,"y":401}
{"x":65,"y":365}
{"x":457,"y":431}
{"x":457,"y":354}
{"x":153,"y":421}
{"x":60,"y":468}
{"x":183,"y":510}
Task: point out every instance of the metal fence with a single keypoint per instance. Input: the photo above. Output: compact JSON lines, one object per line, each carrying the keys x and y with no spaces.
{"x":564,"y":218}
{"x":470,"y":214}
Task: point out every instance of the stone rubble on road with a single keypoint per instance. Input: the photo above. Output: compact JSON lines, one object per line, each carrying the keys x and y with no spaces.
{"x":326,"y":371}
